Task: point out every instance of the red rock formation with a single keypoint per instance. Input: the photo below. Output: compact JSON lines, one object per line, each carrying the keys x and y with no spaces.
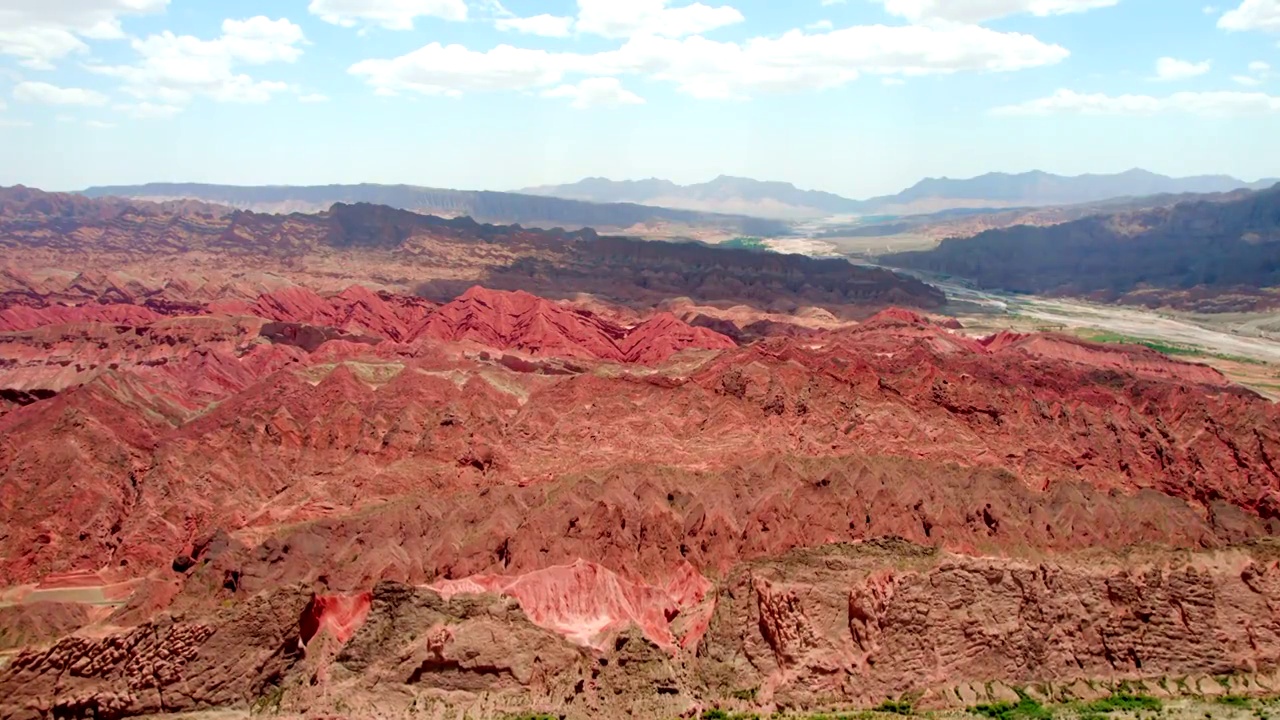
{"x":643,"y":526}
{"x":520,"y":321}
{"x":339,"y":615}
{"x":24,"y":318}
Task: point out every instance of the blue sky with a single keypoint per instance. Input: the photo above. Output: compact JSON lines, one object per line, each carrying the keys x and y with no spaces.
{"x":860,"y":97}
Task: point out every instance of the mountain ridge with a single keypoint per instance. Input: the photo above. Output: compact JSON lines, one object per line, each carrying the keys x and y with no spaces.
{"x":994,"y":189}
{"x":482,"y":205}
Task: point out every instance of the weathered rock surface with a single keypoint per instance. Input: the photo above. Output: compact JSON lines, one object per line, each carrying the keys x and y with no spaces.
{"x":827,"y":626}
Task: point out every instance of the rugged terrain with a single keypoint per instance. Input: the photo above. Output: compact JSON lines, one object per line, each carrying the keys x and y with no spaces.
{"x":303,"y":488}
{"x":1197,"y":255}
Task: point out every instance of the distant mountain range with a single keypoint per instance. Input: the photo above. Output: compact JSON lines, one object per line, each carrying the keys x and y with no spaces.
{"x":724,"y":194}
{"x":1218,"y":254}
{"x":992,"y":190}
{"x":490,"y":207}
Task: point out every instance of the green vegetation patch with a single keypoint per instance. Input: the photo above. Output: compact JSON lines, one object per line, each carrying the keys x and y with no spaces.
{"x":1122,"y":702}
{"x":1025,"y":709}
{"x":718,"y":714}
{"x":896,"y":707}
{"x":1167,"y":348}
{"x":1241,"y":701}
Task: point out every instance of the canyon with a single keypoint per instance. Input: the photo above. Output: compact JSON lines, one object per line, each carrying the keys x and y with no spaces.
{"x":368,"y":463}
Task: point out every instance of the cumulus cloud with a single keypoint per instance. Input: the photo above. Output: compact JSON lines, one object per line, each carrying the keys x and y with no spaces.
{"x":820,"y":25}
{"x":1210,"y":104}
{"x":1259,"y":15}
{"x":40,"y":32}
{"x":595,"y":92}
{"x":174,"y":69}
{"x":1168,"y":68}
{"x":390,"y":14}
{"x":44,"y":93}
{"x":707,"y":68}
{"x":544,"y":25}
{"x":628,"y":18}
{"x":977,"y":11}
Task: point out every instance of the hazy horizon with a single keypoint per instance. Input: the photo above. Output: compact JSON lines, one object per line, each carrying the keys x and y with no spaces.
{"x":855,"y":97}
{"x":614,"y":179}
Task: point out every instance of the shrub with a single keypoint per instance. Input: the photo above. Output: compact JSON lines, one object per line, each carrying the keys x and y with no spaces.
{"x":896,"y":707}
{"x":1123,"y":702}
{"x":1024,"y":709}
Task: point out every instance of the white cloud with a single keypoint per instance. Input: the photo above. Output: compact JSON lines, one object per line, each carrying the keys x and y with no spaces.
{"x":1168,"y":68}
{"x":629,"y":18}
{"x":99,"y":124}
{"x":820,"y":25}
{"x":390,"y":14}
{"x":1210,"y":9}
{"x":313,"y":98}
{"x":595,"y":92}
{"x":437,"y":69}
{"x":148,"y":111}
{"x":1259,"y":72}
{"x":544,"y":25}
{"x":1211,"y":104}
{"x":44,"y":93}
{"x":4,"y":123}
{"x":40,"y":32}
{"x":1262,"y":15}
{"x":711,"y":69}
{"x":829,"y":3}
{"x":976,"y":11}
{"x":176,"y":68}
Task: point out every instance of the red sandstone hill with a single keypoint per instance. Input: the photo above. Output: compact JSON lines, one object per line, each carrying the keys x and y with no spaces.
{"x":643,"y":516}
{"x":520,"y":321}
{"x":218,"y":486}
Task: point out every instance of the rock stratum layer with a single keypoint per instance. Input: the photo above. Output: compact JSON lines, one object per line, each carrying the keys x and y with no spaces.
{"x":276,"y":490}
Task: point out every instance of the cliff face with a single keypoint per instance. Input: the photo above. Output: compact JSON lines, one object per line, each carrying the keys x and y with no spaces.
{"x":830,"y":625}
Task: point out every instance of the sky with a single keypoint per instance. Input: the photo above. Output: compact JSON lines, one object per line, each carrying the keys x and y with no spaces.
{"x":857,"y":97}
